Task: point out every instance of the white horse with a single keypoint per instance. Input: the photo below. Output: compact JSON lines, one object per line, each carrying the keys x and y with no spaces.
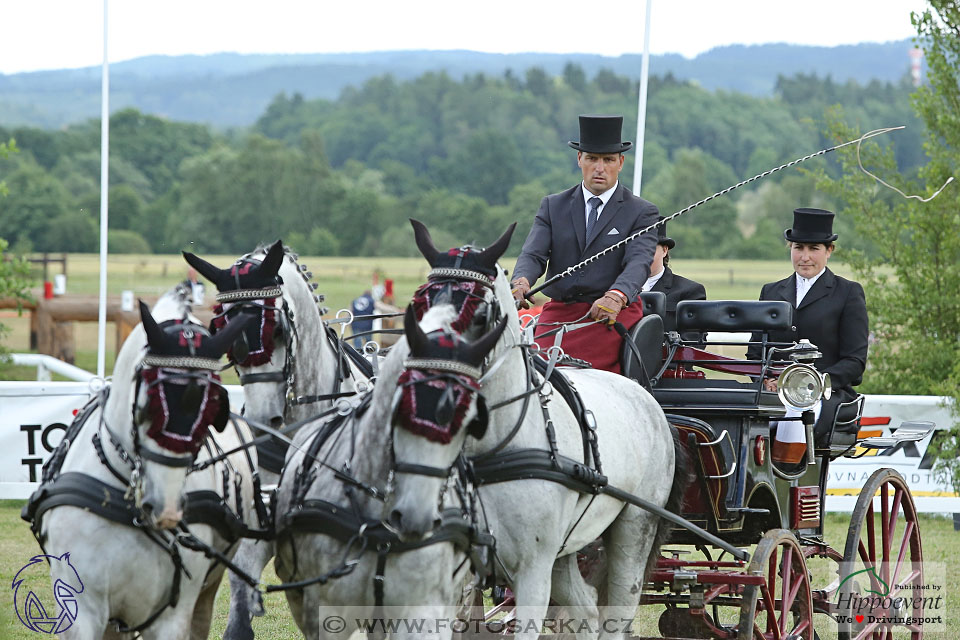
{"x":142,"y":439}
{"x":539,"y":525}
{"x":342,"y":463}
{"x":291,"y":368}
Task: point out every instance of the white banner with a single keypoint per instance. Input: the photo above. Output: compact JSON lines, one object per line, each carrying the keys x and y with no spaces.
{"x":33,"y":418}
{"x":35,"y":415}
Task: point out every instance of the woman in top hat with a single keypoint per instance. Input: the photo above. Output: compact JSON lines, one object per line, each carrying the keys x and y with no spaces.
{"x":582,"y":221}
{"x":829,"y":311}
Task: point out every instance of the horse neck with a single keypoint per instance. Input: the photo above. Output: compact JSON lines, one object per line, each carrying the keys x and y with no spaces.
{"x":374,"y":437}
{"x":315,"y":367}
{"x":115,"y":414}
{"x":508,"y":381}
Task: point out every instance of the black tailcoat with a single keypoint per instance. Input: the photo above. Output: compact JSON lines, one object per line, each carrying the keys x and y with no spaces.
{"x":833,"y":316}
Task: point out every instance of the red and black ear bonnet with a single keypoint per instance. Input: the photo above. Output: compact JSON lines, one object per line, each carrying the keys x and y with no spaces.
{"x":184,"y":394}
{"x":459,"y":277}
{"x":439,"y":381}
{"x":252,"y":286}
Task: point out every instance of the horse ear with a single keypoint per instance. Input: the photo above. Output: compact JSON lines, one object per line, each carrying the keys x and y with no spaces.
{"x":424,"y":242}
{"x":489,"y":256}
{"x":150,"y":326}
{"x":204,"y":268}
{"x":274,"y":258}
{"x":416,"y":338}
{"x":475,"y":352}
{"x":220,"y":342}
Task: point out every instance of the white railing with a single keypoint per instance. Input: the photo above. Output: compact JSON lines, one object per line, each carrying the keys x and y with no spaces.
{"x":46,"y":365}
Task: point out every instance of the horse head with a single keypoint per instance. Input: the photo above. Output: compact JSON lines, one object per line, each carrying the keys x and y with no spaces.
{"x":464,"y":277}
{"x":269,"y":284}
{"x":438,"y":403}
{"x":177,"y":398}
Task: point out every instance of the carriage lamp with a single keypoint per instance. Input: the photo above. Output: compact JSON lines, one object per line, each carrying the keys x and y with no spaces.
{"x":801,"y":386}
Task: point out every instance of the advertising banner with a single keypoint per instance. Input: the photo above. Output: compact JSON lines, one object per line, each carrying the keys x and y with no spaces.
{"x":34,"y":416}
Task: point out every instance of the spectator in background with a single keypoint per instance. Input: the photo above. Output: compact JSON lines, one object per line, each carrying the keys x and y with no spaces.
{"x":360,"y":307}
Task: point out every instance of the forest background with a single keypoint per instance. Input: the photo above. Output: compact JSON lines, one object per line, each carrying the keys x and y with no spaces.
{"x":466,"y":152}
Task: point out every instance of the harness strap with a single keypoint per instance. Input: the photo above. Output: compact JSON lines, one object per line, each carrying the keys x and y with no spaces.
{"x":269,"y":376}
{"x":378,"y":580}
{"x":420,"y":470}
{"x":537,"y":464}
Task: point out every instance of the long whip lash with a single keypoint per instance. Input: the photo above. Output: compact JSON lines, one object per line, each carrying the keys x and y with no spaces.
{"x":614,"y":247}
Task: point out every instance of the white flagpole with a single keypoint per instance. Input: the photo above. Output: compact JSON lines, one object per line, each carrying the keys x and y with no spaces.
{"x":642,"y":102}
{"x":104,"y":188}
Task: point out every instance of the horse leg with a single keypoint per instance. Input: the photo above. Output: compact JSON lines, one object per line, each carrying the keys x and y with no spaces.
{"x":91,"y":621}
{"x":577,"y":600}
{"x":295,"y":602}
{"x":203,"y":609}
{"x":627,"y":544}
{"x":531,"y":589}
{"x":251,"y":557}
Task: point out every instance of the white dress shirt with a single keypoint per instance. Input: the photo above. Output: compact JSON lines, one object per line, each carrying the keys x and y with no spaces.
{"x":604,"y":198}
{"x":652,"y":280}
{"x":804,"y":285}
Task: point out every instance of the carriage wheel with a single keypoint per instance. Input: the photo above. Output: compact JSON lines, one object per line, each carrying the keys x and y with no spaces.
{"x":782,"y":607}
{"x":883,"y":557}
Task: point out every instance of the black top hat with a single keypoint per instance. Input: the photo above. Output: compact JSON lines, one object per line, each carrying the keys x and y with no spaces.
{"x":662,"y":237}
{"x":601,"y":134}
{"x":811,"y":225}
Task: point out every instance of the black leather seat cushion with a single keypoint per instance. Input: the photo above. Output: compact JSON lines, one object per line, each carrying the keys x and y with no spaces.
{"x":654,"y":302}
{"x":734,"y":315}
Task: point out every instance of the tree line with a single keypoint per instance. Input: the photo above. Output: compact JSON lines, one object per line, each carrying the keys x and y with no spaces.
{"x":468,"y":157}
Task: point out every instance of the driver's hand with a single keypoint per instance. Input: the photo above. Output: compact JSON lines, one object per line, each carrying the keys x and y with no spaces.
{"x":521,"y":286}
{"x":606,"y":308}
{"x":770,"y":384}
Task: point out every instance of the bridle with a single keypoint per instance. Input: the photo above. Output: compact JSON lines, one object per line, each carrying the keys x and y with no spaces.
{"x":153,"y":372}
{"x":263,"y":302}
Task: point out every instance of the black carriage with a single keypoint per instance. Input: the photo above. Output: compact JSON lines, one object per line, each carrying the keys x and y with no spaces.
{"x":726,"y":423}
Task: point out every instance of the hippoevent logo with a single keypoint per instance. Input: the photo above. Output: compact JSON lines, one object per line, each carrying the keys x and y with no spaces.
{"x":44,"y":607}
{"x":865,"y":600}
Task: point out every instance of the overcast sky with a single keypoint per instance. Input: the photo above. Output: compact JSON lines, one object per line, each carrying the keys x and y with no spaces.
{"x":55,"y":34}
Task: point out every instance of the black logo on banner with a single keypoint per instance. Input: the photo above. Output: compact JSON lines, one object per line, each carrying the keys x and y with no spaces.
{"x":40,"y":438}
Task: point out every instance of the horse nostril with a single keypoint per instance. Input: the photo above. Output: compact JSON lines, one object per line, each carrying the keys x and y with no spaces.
{"x":436,"y":523}
{"x":147,"y":507}
{"x":276,"y":422}
{"x":395,"y":519}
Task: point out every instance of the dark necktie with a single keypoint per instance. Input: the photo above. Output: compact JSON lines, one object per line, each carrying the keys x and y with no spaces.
{"x":594,"y":213}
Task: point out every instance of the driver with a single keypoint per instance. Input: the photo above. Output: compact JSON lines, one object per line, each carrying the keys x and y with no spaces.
{"x":829,"y":311}
{"x":578,"y":223}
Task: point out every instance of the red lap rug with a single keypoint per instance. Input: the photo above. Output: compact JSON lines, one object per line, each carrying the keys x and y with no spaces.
{"x":598,"y":344}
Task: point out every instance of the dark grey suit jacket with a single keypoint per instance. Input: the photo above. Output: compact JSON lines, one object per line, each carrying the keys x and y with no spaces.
{"x":677,"y":288}
{"x":833,"y":316}
{"x":558,"y":241}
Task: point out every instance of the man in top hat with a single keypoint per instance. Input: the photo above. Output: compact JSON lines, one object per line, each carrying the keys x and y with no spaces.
{"x":664,"y":280}
{"x":829,"y":311}
{"x":578,"y":223}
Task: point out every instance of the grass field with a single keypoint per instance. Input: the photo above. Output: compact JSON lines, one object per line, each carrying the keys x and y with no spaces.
{"x":340,"y":279}
{"x":941,"y":547}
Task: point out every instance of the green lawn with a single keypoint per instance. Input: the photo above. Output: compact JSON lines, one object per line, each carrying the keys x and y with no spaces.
{"x":17,"y":546}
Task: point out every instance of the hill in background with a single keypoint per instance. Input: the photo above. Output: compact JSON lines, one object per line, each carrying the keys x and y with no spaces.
{"x":229,"y":90}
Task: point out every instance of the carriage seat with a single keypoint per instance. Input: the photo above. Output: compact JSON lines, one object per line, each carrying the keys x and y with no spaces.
{"x":647,"y":335}
{"x":734,"y":315}
{"x":654,"y":302}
